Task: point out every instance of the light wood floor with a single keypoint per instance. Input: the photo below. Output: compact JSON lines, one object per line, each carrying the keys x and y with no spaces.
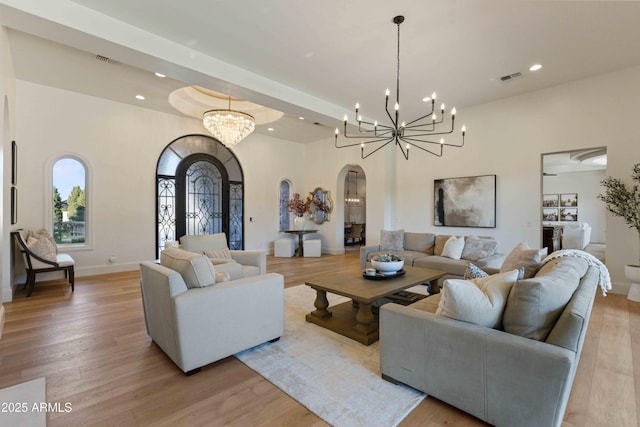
{"x":94,"y":351}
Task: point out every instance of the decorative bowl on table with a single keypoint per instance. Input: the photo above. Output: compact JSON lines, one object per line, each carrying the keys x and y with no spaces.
{"x":387,"y":263}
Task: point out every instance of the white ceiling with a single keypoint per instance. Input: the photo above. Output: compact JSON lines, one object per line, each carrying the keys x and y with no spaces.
{"x":316,"y":59}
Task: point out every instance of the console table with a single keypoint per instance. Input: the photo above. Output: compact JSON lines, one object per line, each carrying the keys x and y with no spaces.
{"x":300,"y":233}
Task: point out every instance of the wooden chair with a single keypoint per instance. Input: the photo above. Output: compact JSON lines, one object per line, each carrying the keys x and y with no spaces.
{"x":355,"y":235}
{"x":35,"y":264}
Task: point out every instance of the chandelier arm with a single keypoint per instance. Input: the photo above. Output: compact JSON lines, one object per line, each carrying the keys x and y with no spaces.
{"x":421,"y":118}
{"x":423,"y":141}
{"x":424,"y":149}
{"x":416,"y":128}
{"x":361,"y":142}
{"x":430,"y":133}
{"x":362,"y":156}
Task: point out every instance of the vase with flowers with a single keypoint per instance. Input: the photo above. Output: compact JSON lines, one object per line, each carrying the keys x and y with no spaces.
{"x":624,"y":202}
{"x":301,"y":208}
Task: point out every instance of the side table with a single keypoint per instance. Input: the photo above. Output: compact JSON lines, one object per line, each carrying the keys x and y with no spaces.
{"x":300,"y":233}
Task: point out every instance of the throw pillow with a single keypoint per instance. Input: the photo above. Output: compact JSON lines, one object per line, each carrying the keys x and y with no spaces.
{"x":419,"y":242}
{"x":474,"y":272}
{"x":44,"y":233}
{"x":453,"y":248}
{"x":523,"y":256}
{"x":391,"y":240}
{"x":218,"y":253}
{"x":535,"y":304}
{"x":42,"y":247}
{"x":476,"y":248}
{"x":479,"y":301}
{"x":222,"y":276}
{"x":439,"y":244}
{"x":196,"y":269}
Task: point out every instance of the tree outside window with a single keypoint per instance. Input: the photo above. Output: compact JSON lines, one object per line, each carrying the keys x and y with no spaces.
{"x":69,"y":201}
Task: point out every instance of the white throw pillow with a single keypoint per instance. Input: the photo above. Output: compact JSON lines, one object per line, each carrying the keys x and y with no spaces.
{"x":479,"y":301}
{"x":454,"y":247}
{"x":196,"y":269}
{"x":523,"y":256}
{"x":42,"y":247}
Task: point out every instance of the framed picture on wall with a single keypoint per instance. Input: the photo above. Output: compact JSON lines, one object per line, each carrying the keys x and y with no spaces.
{"x":465,"y":202}
{"x":568,"y":214}
{"x":14,"y":205}
{"x":550,"y":214}
{"x":569,"y":200}
{"x":14,"y":163}
{"x":549,"y":200}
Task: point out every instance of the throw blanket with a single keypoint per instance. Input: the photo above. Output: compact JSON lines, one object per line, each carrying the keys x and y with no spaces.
{"x":605,"y":278}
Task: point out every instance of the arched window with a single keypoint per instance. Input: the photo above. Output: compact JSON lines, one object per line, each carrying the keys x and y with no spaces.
{"x":69,"y":201}
{"x":285,"y":196}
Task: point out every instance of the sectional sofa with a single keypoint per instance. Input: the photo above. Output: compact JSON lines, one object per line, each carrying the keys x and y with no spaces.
{"x":425,"y":250}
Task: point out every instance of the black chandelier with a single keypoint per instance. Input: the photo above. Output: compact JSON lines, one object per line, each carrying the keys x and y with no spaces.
{"x":414,"y":133}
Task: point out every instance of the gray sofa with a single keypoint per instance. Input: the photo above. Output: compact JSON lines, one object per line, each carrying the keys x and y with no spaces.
{"x":517,"y":378}
{"x":197,"y":320}
{"x":425,"y":250}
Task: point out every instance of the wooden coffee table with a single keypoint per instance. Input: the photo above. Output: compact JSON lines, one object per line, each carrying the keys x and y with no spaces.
{"x":356,"y":319}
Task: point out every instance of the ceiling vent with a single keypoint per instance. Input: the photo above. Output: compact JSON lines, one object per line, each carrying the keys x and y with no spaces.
{"x":511,"y":77}
{"x":106,"y":59}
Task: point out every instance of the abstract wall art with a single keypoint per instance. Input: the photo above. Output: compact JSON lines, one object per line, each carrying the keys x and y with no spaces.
{"x":465,"y":202}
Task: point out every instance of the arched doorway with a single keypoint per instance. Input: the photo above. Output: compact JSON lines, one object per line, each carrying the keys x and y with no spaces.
{"x":199,"y":190}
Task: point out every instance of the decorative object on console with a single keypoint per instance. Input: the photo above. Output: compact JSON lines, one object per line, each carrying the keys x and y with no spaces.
{"x":465,"y":202}
{"x":624,"y":202}
{"x":413,"y":133}
{"x":228,"y":126}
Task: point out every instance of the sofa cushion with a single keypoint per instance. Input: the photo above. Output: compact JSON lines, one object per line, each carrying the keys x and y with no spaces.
{"x":523,"y":256}
{"x":419,"y":242}
{"x":479,"y":301}
{"x":535,"y":304}
{"x":455,"y":267}
{"x":429,"y":304}
{"x":408,"y":256}
{"x":196,"y":269}
{"x":441,"y":239}
{"x":391,"y":240}
{"x":453,"y":247}
{"x":203,"y":242}
{"x":476,"y":248}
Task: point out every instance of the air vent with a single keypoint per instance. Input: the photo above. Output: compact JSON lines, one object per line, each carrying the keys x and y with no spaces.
{"x":106,"y":59}
{"x":511,"y":77}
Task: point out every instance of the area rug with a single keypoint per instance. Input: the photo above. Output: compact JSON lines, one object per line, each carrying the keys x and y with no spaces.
{"x":22,"y":404}
{"x":334,"y":377}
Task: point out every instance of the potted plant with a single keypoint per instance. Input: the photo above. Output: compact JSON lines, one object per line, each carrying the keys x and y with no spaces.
{"x":624,"y":202}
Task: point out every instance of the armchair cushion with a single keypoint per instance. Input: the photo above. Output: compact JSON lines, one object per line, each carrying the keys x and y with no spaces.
{"x":196,"y":270}
{"x":479,"y":301}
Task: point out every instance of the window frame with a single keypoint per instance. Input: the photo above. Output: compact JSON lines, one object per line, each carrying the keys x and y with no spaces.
{"x":88,"y":190}
{"x":281,"y":206}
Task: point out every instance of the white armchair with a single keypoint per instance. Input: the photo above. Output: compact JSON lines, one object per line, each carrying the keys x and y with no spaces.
{"x":237,"y":263}
{"x":196,"y":326}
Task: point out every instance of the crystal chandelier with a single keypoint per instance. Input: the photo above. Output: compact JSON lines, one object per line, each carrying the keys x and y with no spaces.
{"x":416,"y":133}
{"x":228,"y":126}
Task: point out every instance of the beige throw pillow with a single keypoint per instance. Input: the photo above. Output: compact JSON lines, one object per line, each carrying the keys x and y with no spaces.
{"x":523,"y":256}
{"x":479,"y":301}
{"x":476,"y":248}
{"x":391,"y":240}
{"x":454,"y":247}
{"x":42,"y":247}
{"x":196,"y":269}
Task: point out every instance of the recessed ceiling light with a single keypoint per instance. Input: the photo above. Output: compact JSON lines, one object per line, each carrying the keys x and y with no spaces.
{"x":140,"y":97}
{"x":301,"y":118}
{"x":535,"y":67}
{"x":426,"y":99}
{"x":161,"y":75}
{"x":270,"y":129}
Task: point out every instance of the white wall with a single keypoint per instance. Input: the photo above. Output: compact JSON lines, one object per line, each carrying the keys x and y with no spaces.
{"x":7,"y":127}
{"x":587,"y":185}
{"x":122,"y":144}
